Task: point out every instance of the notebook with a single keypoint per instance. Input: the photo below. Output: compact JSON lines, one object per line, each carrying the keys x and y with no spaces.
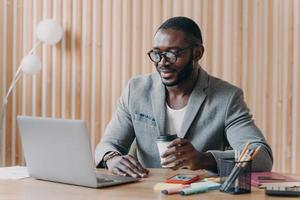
{"x":265,"y":178}
{"x":59,"y":150}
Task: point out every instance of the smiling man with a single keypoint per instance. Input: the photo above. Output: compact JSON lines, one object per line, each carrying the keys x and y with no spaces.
{"x":208,"y":115}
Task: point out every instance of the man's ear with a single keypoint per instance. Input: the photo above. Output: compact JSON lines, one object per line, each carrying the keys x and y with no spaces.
{"x":198,"y":52}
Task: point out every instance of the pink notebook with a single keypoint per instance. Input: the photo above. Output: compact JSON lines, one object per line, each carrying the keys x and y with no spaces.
{"x":258,"y":178}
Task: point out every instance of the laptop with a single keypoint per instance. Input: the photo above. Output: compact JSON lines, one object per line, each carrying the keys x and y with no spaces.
{"x":59,"y":150}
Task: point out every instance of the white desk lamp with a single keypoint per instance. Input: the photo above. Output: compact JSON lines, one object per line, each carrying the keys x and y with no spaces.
{"x":48,"y":32}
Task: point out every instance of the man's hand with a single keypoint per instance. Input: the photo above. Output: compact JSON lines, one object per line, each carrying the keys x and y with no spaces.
{"x":126,"y":166}
{"x":182,"y":154}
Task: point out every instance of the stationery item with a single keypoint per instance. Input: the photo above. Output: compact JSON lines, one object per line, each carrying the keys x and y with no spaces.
{"x":210,"y":185}
{"x":244,"y":150}
{"x":236,"y":158}
{"x":282,"y":191}
{"x":213,"y":179}
{"x":230,"y":171}
{"x":236,"y":155}
{"x":241,"y":168}
{"x":200,"y":187}
{"x":190,"y":190}
{"x":158,"y":187}
{"x":14,"y":172}
{"x":175,"y":190}
{"x":235,"y":176}
{"x":259,"y":178}
{"x":183,"y":178}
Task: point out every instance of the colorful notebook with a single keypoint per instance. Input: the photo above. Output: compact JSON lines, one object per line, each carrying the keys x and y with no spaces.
{"x":259,"y":178}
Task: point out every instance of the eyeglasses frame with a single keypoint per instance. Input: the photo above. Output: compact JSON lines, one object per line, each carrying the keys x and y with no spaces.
{"x":163,"y":54}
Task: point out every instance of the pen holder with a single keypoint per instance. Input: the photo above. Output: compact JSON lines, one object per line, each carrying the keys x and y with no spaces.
{"x":235,"y":176}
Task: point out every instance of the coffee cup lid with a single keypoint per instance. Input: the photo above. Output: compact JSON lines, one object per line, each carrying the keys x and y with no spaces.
{"x":166,"y":137}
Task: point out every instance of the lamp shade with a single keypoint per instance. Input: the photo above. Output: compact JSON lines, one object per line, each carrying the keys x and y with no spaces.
{"x":31,"y":64}
{"x":49,"y":31}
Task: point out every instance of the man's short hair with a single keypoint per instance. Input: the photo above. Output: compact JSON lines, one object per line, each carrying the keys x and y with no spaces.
{"x":186,"y":25}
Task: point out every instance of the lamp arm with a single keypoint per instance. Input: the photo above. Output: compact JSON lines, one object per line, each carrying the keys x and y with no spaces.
{"x":34,"y":47}
{"x":3,"y":108}
{"x":4,"y":104}
{"x":18,"y":75}
{"x":11,"y":87}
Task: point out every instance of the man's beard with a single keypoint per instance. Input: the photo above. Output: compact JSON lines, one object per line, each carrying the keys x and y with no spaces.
{"x":181,"y":76}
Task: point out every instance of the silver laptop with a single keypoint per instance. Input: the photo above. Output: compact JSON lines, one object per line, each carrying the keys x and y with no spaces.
{"x":59,"y":150}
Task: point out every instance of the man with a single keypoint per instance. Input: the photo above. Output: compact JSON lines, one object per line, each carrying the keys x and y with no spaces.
{"x":208,"y":115}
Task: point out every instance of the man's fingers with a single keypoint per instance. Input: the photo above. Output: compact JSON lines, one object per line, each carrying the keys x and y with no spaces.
{"x":126,"y":167}
{"x":180,"y":165}
{"x":169,"y":160}
{"x":118,"y":172}
{"x":177,"y":150}
{"x":136,"y":166}
{"x":170,"y":151}
{"x":174,"y":159}
{"x":178,"y":142}
{"x":130,"y":163}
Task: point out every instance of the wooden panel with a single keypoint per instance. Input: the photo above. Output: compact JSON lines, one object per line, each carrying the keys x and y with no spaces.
{"x":3,"y":21}
{"x":296,"y":88}
{"x":253,"y":44}
{"x":9,"y":70}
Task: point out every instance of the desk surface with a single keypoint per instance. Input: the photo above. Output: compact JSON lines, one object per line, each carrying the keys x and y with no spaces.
{"x":32,"y":189}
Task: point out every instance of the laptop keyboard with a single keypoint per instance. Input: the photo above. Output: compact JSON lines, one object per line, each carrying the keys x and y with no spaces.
{"x":107,"y":180}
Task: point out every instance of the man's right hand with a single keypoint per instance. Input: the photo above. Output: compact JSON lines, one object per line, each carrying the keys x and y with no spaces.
{"x":126,"y":166}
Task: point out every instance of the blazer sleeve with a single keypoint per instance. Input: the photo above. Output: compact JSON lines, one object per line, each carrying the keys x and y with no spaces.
{"x":119,"y":133}
{"x":240,"y":129}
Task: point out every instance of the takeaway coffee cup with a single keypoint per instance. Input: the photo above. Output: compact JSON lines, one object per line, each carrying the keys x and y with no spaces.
{"x":162,"y":142}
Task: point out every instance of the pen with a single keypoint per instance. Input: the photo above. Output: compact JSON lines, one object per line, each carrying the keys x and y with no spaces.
{"x":236,"y":156}
{"x":236,"y":159}
{"x":200,"y":187}
{"x":195,"y":190}
{"x":175,"y":190}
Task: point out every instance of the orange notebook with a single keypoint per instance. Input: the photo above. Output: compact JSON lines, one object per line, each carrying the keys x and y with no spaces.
{"x":258,"y":178}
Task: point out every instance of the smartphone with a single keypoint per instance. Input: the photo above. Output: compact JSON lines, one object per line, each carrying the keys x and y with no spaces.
{"x":183,"y":179}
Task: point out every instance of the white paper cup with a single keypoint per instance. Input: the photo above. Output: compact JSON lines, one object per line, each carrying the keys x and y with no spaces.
{"x":162,"y":142}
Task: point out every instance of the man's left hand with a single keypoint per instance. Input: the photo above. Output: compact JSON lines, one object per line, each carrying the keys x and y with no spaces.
{"x":182,"y":154}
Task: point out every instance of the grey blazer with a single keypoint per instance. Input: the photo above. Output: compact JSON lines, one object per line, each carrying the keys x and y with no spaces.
{"x":217,"y":120}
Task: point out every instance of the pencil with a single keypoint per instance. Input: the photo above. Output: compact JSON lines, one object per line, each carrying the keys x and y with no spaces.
{"x":244,"y":151}
{"x":255,"y":152}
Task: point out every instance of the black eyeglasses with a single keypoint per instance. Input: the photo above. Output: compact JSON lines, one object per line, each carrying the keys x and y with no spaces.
{"x":171,"y":57}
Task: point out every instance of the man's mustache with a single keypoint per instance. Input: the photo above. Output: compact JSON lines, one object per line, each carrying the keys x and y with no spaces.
{"x":166,"y":69}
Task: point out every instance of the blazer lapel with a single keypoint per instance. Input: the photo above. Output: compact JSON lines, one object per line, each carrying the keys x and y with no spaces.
{"x":158,"y":98}
{"x":195,"y":101}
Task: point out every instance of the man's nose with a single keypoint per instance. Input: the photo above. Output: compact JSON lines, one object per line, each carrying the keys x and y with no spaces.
{"x":163,"y":61}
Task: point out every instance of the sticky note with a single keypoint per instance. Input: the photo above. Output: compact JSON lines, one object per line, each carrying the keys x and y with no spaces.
{"x":164,"y":186}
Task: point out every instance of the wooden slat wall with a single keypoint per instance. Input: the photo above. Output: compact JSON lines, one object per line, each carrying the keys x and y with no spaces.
{"x":251,"y":43}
